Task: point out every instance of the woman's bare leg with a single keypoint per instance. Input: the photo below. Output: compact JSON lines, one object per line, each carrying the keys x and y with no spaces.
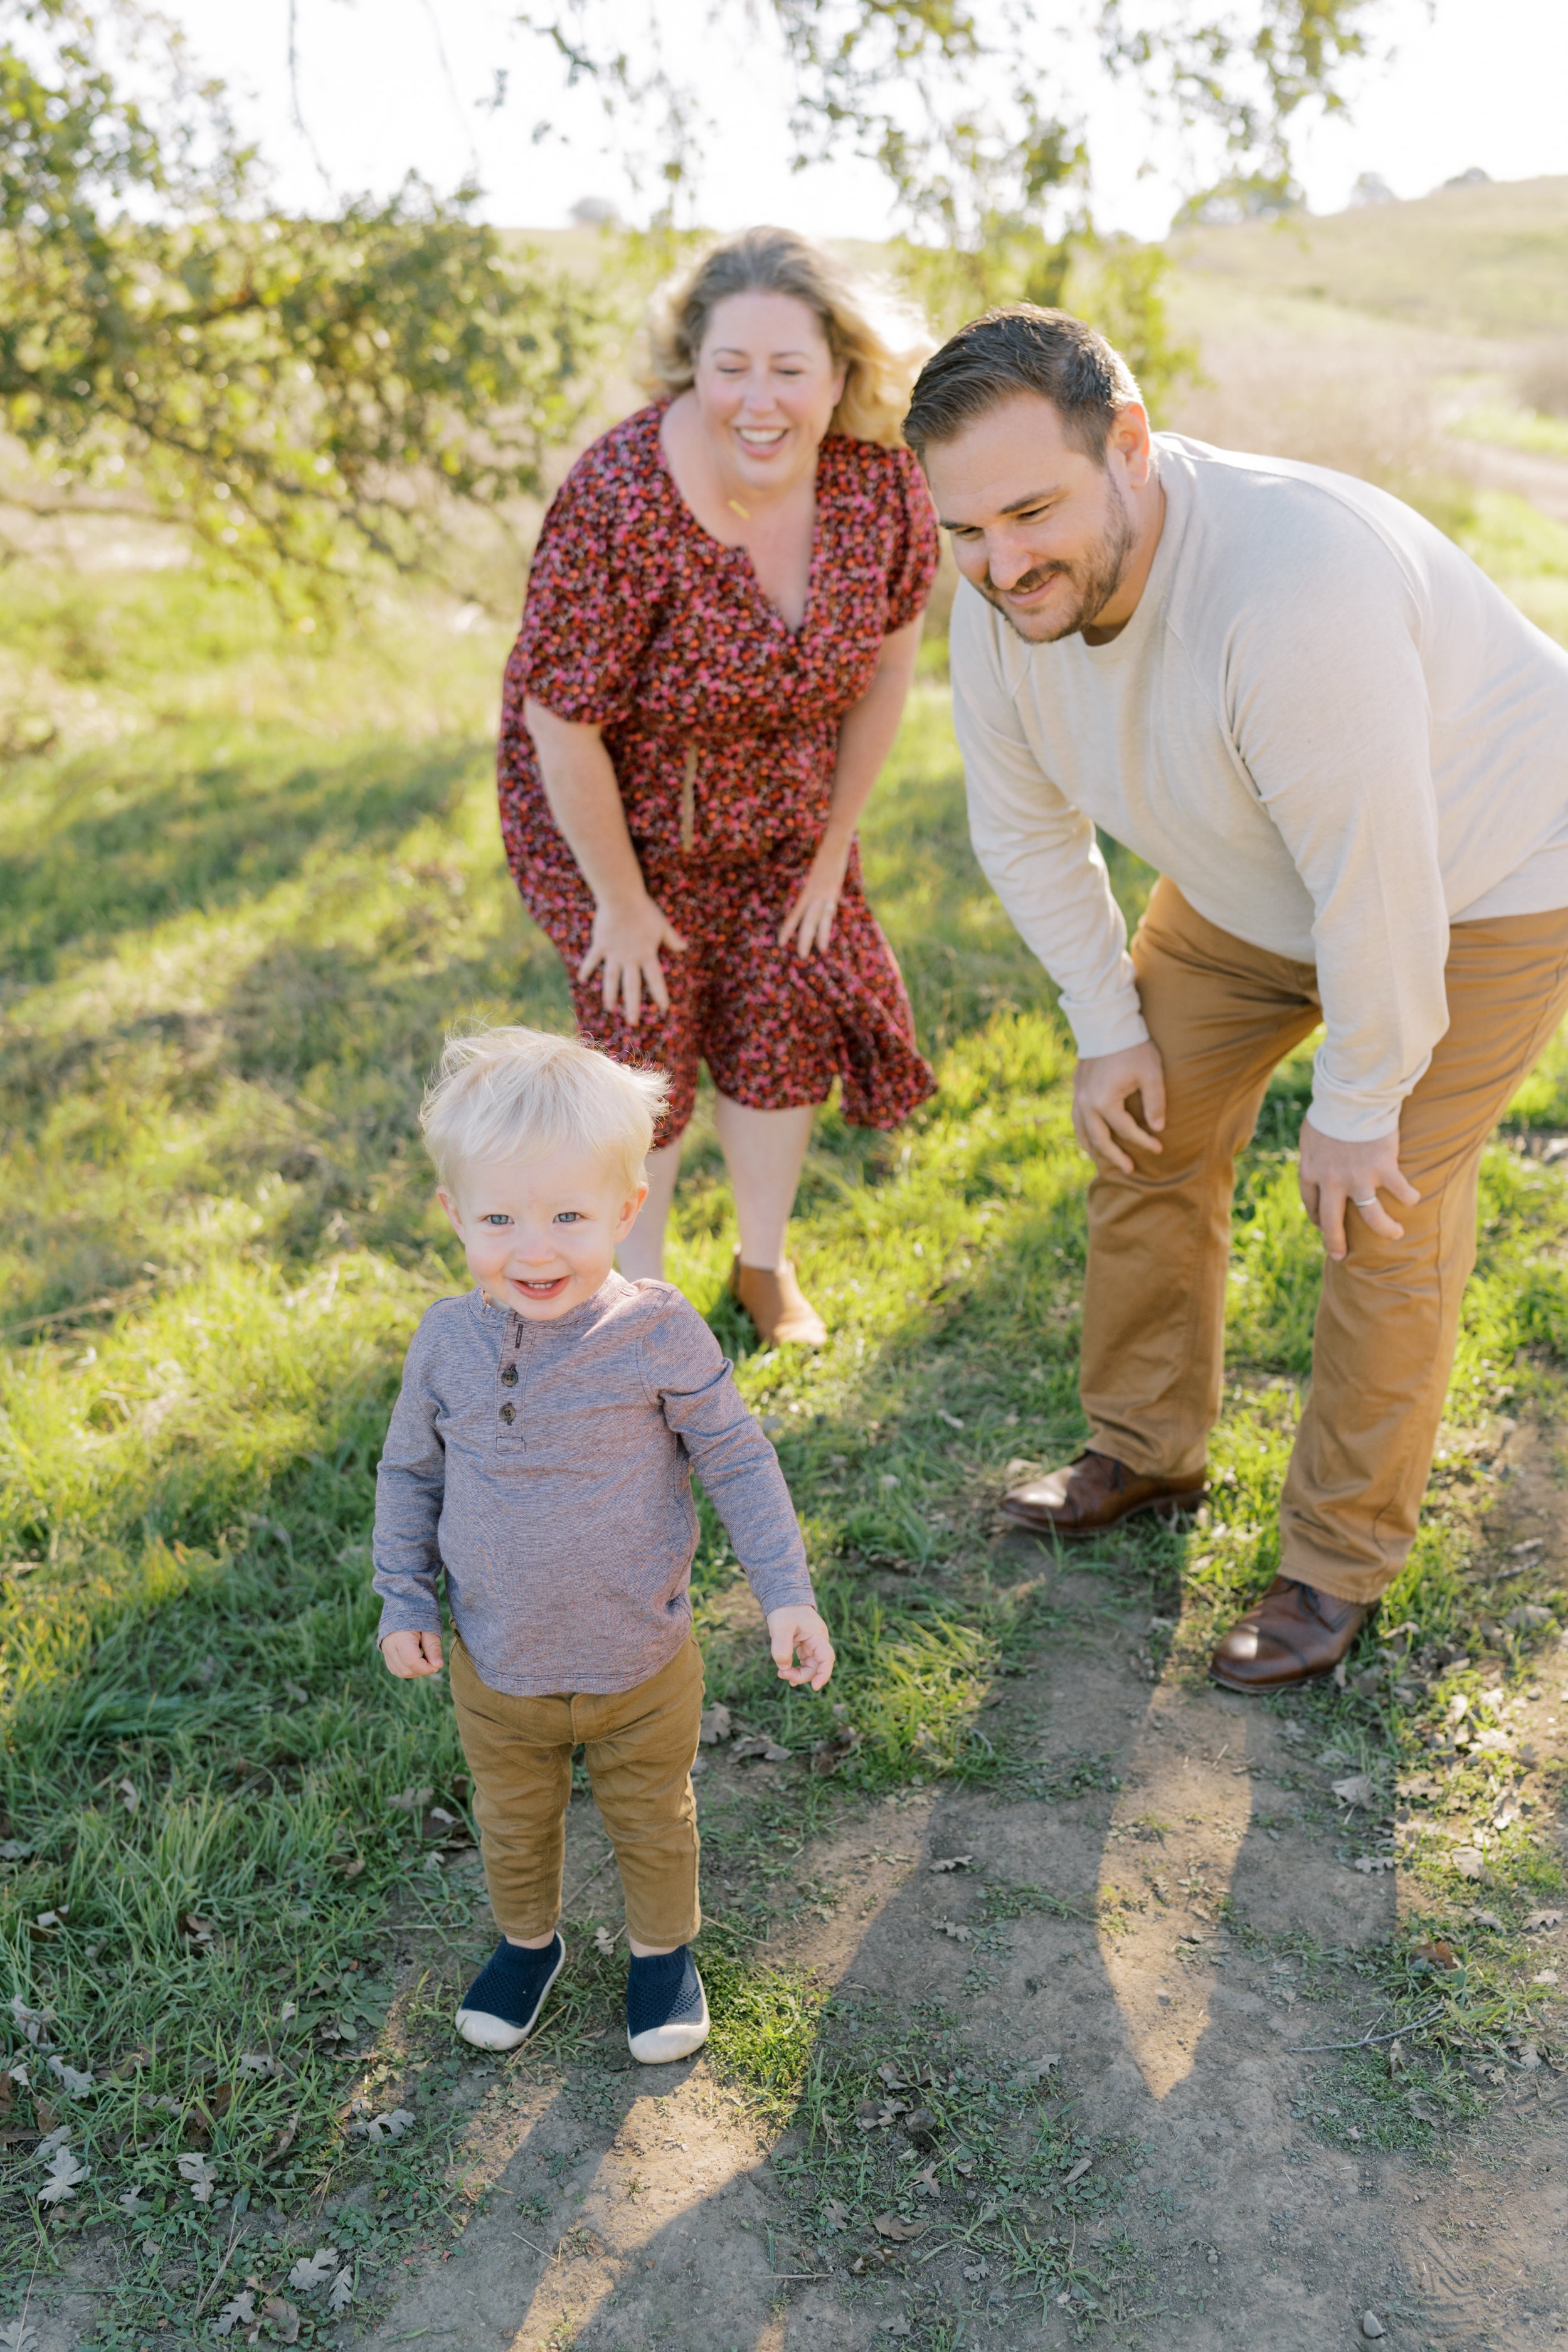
{"x":641,"y":1254}
{"x":764,"y":1151}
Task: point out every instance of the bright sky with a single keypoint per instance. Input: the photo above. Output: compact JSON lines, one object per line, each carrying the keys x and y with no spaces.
{"x":392,"y":85}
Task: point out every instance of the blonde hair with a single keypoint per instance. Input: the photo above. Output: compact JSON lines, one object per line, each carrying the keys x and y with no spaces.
{"x":516,"y":1094}
{"x":876,"y":337}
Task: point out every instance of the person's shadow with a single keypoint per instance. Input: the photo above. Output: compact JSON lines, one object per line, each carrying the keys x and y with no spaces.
{"x":1146,"y":1904}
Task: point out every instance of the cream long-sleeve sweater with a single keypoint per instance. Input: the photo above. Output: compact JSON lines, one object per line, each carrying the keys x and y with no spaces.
{"x":1323,"y":722}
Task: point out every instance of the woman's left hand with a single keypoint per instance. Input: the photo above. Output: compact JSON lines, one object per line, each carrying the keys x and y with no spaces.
{"x":810,"y":919}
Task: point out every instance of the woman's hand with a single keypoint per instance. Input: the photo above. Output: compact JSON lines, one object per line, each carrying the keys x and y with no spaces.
{"x":801,"y":1630}
{"x":810,"y":919}
{"x":626,"y":940}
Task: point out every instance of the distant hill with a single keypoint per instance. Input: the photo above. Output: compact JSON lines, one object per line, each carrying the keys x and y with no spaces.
{"x":1484,"y":259}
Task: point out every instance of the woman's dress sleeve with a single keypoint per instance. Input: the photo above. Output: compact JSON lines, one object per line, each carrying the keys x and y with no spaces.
{"x":591,"y":605}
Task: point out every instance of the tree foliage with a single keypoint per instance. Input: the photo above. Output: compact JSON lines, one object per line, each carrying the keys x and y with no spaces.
{"x":296,"y":392}
{"x":974,"y":112}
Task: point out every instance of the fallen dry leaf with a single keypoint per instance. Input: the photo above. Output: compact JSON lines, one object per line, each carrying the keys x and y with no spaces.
{"x":1357,"y":1788}
{"x":604,"y":1942}
{"x":951,"y":1862}
{"x":1080,"y":2169}
{"x":282,"y":2318}
{"x":892,"y":2225}
{"x":195,"y":1931}
{"x":66,"y":2173}
{"x":1036,"y":2069}
{"x":714,"y":1726}
{"x":836,"y":2215}
{"x":314,"y":2269}
{"x":411,"y":1801}
{"x":1539,"y":1919}
{"x":240,"y":2312}
{"x":959,"y":1934}
{"x":1436,"y":1956}
{"x":767,"y":1750}
{"x":827,"y":1754}
{"x":391,"y":2126}
{"x":1468,"y":1863}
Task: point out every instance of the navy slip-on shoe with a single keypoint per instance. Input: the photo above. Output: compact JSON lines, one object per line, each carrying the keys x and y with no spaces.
{"x":502,"y":2006}
{"x":667,"y":2008}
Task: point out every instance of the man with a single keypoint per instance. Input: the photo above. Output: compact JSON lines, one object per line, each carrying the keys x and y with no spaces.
{"x":1347,"y":754}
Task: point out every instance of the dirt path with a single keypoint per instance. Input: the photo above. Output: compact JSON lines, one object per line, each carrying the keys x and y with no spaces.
{"x":1164,"y":1906}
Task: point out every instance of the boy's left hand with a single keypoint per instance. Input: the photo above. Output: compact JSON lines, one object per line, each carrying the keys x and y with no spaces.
{"x":800,"y":1629}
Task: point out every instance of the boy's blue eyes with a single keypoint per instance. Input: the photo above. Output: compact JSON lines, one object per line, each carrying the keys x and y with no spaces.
{"x":562,"y":1217}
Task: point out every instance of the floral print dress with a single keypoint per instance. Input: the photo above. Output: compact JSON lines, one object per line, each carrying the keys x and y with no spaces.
{"x":723,"y":727}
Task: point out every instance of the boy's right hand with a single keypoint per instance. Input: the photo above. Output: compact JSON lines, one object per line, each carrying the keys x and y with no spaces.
{"x":407,"y":1654}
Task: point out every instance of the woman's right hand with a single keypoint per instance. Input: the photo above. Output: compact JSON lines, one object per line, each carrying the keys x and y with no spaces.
{"x":626,"y":940}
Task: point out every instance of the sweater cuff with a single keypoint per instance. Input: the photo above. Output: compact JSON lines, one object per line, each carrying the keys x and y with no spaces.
{"x":1111,"y":1026}
{"x":407,"y":1617}
{"x":787,"y":1591}
{"x":1347,"y":1118}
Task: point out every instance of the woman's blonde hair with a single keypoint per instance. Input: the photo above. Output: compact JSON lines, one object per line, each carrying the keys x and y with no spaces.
{"x":878,"y":339}
{"x":516,"y":1094}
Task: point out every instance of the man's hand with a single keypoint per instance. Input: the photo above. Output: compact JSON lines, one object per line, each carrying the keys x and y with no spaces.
{"x":407,"y":1654}
{"x":790,"y":1630}
{"x":1102,"y":1086}
{"x":1332,"y":1174}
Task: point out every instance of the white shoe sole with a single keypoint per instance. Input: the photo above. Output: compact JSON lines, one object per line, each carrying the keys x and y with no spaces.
{"x":488,"y":2032}
{"x":662,"y":2044}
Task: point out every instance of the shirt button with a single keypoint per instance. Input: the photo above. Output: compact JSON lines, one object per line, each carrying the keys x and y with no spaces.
{"x":509,"y":1413}
{"x":509,"y":1376}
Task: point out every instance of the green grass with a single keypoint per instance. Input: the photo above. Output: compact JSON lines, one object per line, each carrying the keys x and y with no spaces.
{"x":1515,"y":428}
{"x":1483,"y":260}
{"x":234,"y":924}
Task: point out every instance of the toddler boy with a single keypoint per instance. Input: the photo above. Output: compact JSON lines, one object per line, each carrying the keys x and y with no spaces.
{"x":541,"y":1451}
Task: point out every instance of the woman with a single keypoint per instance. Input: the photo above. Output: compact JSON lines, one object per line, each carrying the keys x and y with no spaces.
{"x":718,"y":638}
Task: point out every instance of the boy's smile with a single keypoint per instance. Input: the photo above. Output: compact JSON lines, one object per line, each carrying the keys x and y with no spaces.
{"x":540,"y":1235}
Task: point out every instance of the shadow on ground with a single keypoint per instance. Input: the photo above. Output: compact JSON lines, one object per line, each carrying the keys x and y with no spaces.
{"x":1203,"y":1926}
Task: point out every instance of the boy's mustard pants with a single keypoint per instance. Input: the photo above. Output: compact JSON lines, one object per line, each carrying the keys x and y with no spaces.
{"x":1222,"y":1013}
{"x":639,"y":1747}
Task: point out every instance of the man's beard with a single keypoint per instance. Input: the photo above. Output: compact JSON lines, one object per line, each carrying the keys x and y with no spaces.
{"x":1095,"y":578}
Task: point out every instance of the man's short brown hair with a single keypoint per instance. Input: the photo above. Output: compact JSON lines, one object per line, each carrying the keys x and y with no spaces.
{"x":1022,"y":348}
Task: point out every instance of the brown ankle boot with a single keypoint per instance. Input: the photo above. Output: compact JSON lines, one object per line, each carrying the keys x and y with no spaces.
{"x":783,"y":1316}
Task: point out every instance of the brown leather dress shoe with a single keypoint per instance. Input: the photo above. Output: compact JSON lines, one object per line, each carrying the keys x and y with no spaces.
{"x":1294,"y":1634}
{"x":776,"y":1304}
{"x":1094,"y":1493}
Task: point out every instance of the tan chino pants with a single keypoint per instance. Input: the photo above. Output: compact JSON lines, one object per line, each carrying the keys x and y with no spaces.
{"x":640,"y":1746}
{"x":1222,"y":1013}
